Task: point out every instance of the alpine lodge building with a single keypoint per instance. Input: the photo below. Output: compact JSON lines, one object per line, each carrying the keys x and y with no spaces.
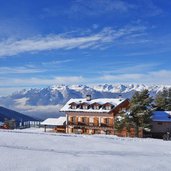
{"x":93,"y":116}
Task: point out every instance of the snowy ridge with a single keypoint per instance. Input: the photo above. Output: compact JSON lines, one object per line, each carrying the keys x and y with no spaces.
{"x":46,"y":102}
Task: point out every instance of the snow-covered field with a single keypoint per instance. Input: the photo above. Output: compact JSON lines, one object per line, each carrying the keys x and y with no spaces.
{"x":33,"y":150}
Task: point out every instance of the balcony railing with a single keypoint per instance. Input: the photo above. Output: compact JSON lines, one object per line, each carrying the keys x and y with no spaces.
{"x":77,"y":123}
{"x":89,"y":124}
{"x":106,"y":125}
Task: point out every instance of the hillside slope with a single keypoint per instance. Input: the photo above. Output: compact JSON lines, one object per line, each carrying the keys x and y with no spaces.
{"x":11,"y":114}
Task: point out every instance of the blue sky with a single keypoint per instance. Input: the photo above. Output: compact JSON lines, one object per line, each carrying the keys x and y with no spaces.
{"x":84,"y":42}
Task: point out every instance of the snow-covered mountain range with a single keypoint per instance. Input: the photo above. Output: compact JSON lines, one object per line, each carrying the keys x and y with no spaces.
{"x":46,"y":102}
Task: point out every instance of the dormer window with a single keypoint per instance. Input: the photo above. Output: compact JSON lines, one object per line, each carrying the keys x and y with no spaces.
{"x":73,"y":106}
{"x":85,"y":107}
{"x":108,"y":107}
{"x":96,"y":107}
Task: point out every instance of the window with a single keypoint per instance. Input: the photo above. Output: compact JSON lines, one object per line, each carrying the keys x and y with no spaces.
{"x":79,"y":119}
{"x":91,"y":119}
{"x":108,"y":107}
{"x":74,"y":119}
{"x":85,"y":107}
{"x":107,"y":121}
{"x":84,"y":120}
{"x":73,"y":107}
{"x":96,"y":107}
{"x":71,"y":119}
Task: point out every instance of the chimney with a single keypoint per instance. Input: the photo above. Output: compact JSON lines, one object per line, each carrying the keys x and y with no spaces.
{"x":120,"y":97}
{"x":88,"y":97}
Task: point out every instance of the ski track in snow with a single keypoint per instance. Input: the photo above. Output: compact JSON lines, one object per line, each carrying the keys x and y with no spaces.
{"x":79,"y":153}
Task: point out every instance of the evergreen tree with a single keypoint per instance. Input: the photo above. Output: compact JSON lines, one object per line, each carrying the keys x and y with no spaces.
{"x":140,"y":110}
{"x":123,"y":120}
{"x":168,"y":100}
{"x":119,"y":122}
{"x":163,"y":100}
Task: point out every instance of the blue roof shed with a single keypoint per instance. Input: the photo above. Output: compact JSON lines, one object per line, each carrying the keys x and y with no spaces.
{"x":161,"y":116}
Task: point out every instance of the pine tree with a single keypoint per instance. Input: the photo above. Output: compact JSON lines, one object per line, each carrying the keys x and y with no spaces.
{"x":168,"y":100}
{"x":119,"y":122}
{"x":123,"y":120}
{"x":140,"y":110}
{"x":163,"y":100}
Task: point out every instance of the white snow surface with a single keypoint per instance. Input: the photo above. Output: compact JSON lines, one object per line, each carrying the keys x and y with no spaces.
{"x":54,"y":121}
{"x":100,"y":101}
{"x":33,"y":150}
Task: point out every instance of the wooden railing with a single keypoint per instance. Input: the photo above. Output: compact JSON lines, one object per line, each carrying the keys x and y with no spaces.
{"x":90,"y":124}
{"x":106,"y":125}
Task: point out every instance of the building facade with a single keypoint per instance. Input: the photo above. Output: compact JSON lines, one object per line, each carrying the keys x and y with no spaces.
{"x":93,"y":116}
{"x":161,"y":123}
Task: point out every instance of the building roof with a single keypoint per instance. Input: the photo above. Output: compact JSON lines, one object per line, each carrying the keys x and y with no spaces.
{"x":163,"y":116}
{"x":101,"y":101}
{"x":54,"y":121}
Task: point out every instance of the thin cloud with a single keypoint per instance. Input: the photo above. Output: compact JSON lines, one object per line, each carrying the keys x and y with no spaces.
{"x":32,"y":69}
{"x":161,"y":77}
{"x":91,"y":8}
{"x":53,"y":42}
{"x":21,"y":105}
{"x":57,"y":62}
{"x":155,"y":77}
{"x":32,"y":82}
{"x":129,"y":68}
{"x":98,"y":7}
{"x":152,"y":10}
{"x":20,"y":70}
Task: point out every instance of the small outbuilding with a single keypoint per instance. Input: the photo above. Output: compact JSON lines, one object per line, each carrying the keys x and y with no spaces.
{"x":161,"y":123}
{"x":57,"y":124}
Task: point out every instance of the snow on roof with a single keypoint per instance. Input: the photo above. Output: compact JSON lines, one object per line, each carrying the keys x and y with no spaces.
{"x":101,"y":101}
{"x":54,"y":121}
{"x":164,"y":116}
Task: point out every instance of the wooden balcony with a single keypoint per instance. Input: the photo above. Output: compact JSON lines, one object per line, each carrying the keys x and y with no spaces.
{"x":77,"y":123}
{"x":106,"y":125}
{"x":72,"y":123}
{"x":89,"y":124}
{"x":93,"y":124}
